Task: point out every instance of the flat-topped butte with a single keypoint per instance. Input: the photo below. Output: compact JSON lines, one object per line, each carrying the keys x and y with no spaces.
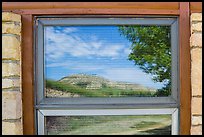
{"x":98,"y":82}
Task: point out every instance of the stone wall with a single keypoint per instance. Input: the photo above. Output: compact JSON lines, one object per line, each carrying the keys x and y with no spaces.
{"x":11,"y":74}
{"x":196,"y":73}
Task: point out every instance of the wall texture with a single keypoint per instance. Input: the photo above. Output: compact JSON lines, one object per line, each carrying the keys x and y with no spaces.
{"x":196,"y":73}
{"x":11,"y":74}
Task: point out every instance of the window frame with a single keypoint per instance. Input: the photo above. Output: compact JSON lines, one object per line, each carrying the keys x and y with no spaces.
{"x":42,"y":22}
{"x":29,"y":10}
{"x":107,"y":112}
{"x":57,"y":104}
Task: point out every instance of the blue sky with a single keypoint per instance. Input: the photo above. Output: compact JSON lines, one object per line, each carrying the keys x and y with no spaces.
{"x":99,"y":50}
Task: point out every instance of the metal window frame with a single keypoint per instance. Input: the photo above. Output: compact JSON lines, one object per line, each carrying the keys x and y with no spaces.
{"x":107,"y":112}
{"x":39,"y":64}
{"x":138,"y":105}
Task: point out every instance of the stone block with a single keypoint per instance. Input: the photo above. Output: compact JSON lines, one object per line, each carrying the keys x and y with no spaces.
{"x":196,"y":120}
{"x":10,"y":69}
{"x":9,"y":83}
{"x":196,"y":106}
{"x":12,"y":128}
{"x":11,"y":105}
{"x":196,"y":40}
{"x":196,"y":27}
{"x":10,"y":48}
{"x":196,"y":17}
{"x":9,"y":16}
{"x":196,"y":130}
{"x":196,"y":71}
{"x":11,"y":28}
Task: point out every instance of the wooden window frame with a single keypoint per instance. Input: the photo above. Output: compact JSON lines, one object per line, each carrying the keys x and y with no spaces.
{"x":30,"y":9}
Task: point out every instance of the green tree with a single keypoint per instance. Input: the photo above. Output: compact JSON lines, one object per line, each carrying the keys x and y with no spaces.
{"x":151,"y":51}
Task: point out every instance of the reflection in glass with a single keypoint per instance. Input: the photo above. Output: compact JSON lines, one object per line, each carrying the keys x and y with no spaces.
{"x":109,"y":125}
{"x":107,"y":61}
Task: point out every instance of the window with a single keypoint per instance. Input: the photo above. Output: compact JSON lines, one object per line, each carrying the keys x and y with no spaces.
{"x":94,"y":70}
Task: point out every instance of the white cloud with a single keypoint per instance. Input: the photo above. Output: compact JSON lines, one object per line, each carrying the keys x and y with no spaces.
{"x":110,"y":51}
{"x":61,"y":43}
{"x":69,"y":30}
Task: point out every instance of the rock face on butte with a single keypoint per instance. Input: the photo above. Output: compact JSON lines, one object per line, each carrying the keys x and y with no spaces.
{"x":97,"y":82}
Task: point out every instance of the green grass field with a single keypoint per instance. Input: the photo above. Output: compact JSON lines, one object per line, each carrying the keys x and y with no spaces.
{"x":106,"y":125}
{"x":103,"y":92}
{"x":109,"y":125}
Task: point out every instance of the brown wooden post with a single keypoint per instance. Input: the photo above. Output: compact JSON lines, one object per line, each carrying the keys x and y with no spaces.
{"x":185,"y":81}
{"x":27,"y":75}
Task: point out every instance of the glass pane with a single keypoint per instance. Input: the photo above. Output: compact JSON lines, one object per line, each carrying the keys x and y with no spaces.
{"x":108,"y":125}
{"x":107,"y":61}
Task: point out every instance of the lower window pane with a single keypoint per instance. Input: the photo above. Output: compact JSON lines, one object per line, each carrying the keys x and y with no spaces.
{"x":109,"y":125}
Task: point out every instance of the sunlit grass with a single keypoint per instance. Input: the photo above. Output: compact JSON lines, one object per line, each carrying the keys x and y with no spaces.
{"x":103,"y":92}
{"x":110,"y":124}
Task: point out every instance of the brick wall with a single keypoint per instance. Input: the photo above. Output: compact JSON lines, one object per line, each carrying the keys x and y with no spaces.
{"x":11,"y":74}
{"x":196,"y":73}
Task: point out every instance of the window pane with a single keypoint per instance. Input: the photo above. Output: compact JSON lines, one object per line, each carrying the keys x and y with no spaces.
{"x":107,"y":61}
{"x":109,"y":125}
